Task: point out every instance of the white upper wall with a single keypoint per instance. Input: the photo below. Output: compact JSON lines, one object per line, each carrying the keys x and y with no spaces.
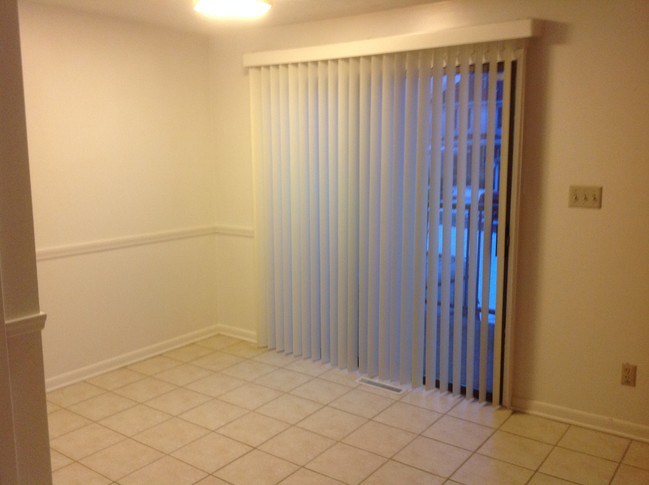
{"x":118,"y":123}
{"x":583,"y":285}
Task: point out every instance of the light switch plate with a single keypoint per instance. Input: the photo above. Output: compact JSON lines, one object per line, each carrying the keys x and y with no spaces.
{"x":586,"y":196}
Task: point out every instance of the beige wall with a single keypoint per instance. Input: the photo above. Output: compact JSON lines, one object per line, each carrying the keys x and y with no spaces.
{"x":119,"y":127}
{"x":583,"y":286}
{"x":582,"y":306}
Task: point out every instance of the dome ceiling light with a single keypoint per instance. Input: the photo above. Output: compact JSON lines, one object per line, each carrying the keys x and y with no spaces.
{"x":232,"y":8}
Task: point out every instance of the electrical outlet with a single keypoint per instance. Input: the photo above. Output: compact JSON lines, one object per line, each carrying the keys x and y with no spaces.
{"x":587,"y":196}
{"x":628,"y":374}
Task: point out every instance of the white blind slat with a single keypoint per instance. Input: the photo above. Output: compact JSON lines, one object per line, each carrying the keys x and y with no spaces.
{"x":417,"y":339}
{"x":314,"y":205}
{"x":397,"y":181}
{"x":434,"y":196}
{"x":486,"y":229}
{"x":385,"y":216}
{"x":472,"y":284}
{"x":342,"y":127}
{"x":502,"y":216}
{"x":365,"y":114}
{"x":332,"y":231}
{"x":447,"y":220}
{"x":459,"y":335}
{"x":304,"y":227}
{"x":354,"y":113}
{"x":323,"y":182}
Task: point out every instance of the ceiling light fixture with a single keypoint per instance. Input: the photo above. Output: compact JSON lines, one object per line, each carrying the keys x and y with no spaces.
{"x":232,"y":8}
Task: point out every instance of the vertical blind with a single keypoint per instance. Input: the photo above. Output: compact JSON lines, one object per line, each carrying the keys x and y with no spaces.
{"x":377,"y":181}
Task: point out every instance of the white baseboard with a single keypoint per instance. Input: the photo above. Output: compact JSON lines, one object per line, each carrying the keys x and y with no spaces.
{"x":597,"y":422}
{"x":129,"y":358}
{"x":236,"y":332}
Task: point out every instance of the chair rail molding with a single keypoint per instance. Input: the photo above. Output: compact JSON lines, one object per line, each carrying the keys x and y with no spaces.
{"x":92,"y":247}
{"x":25,"y":325}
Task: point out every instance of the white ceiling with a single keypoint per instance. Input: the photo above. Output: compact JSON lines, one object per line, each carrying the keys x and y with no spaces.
{"x":180,"y":14}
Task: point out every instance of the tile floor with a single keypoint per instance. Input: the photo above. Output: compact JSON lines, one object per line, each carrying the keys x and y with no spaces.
{"x":222,"y":411}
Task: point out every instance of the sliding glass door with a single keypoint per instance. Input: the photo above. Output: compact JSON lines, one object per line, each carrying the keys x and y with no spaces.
{"x":382,"y":187}
{"x":463,"y":245}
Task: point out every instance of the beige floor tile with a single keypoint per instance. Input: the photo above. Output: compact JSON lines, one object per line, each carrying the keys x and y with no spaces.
{"x":256,"y":467}
{"x":308,"y":477}
{"x":77,"y":474}
{"x":578,"y":467}
{"x":516,"y":450}
{"x":297,"y":445}
{"x":535,"y":427}
{"x":145,"y":389}
{"x":85,"y":441}
{"x":283,"y":380}
{"x":397,"y":473}
{"x":480,"y":413}
{"x":213,"y":414}
{"x":637,"y":455}
{"x":134,"y":420}
{"x":211,"y":452}
{"x":115,"y":379}
{"x":64,"y":421}
{"x":177,"y":401}
{"x":543,"y":479}
{"x":183,"y":374}
{"x":188,"y":352}
{"x":250,"y":396}
{"x":630,"y":475}
{"x":407,"y":417}
{"x":166,"y":471}
{"x":249,"y":370}
{"x":321,"y":390}
{"x":253,"y":429}
{"x":306,"y":366}
{"x":482,"y":470}
{"x":217,"y":361}
{"x":595,"y":443}
{"x":346,"y":463}
{"x":458,"y":432}
{"x":362,"y":403}
{"x":102,"y":406}
{"x":432,"y":456}
{"x":170,"y":435}
{"x":379,"y":438}
{"x":154,"y":365}
{"x":51,"y":407}
{"x":122,"y":458}
{"x":223,"y":379}
{"x":247,"y":350}
{"x":272,"y":357}
{"x":69,"y":395}
{"x":332,"y":423}
{"x":342,"y":376}
{"x":437,"y":401}
{"x":215,"y":385}
{"x":58,"y":460}
{"x":290,"y":409}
